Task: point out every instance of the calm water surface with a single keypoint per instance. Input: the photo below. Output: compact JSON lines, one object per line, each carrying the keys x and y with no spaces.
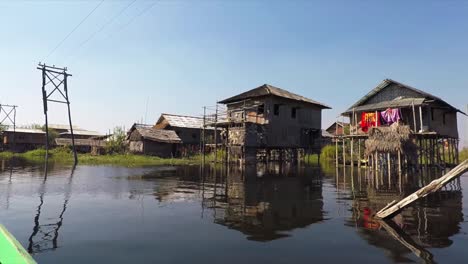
{"x":274,"y":214}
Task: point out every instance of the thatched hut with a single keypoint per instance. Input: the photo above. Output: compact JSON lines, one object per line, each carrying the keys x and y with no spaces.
{"x":394,"y":140}
{"x":145,"y":139}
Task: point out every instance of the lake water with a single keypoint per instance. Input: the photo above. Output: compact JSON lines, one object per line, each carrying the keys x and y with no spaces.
{"x":263,"y":214}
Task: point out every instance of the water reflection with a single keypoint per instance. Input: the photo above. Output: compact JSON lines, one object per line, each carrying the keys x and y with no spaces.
{"x":429,"y":224}
{"x":45,"y":236}
{"x":267,"y":207}
{"x":231,"y":207}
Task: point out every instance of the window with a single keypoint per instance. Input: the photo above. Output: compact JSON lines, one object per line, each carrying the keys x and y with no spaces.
{"x":276,"y":109}
{"x":432,"y":114}
{"x":261,"y":109}
{"x":293,"y":112}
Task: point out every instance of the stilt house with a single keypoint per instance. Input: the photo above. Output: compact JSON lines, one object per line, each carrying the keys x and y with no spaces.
{"x":429,"y":122}
{"x":189,"y":129}
{"x":272,"y":123}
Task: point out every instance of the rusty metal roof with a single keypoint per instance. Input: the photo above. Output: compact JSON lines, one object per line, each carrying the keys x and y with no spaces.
{"x":181,"y":121}
{"x":267,"y":89}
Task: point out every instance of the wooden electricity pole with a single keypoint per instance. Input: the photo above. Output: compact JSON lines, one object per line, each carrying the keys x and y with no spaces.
{"x":8,"y":115}
{"x":58,"y":78}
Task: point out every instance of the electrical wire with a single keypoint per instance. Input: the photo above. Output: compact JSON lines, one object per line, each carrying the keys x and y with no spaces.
{"x":105,"y":25}
{"x":131,"y":20}
{"x":137,"y":15}
{"x":73,"y":30}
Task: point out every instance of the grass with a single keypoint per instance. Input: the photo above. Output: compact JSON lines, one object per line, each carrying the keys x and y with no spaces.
{"x":65,"y":156}
{"x":463,"y":154}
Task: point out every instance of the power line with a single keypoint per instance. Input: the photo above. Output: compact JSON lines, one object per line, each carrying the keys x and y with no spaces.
{"x":104,"y":25}
{"x":138,"y":15}
{"x":74,"y":29}
{"x":132,"y":19}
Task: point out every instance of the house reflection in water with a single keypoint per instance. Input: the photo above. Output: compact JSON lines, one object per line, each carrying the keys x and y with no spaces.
{"x":429,"y":224}
{"x":265,"y":202}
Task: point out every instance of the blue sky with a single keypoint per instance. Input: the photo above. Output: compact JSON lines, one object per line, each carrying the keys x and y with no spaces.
{"x":183,"y":54}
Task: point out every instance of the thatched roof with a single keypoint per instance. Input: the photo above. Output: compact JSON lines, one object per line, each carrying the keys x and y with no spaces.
{"x":155,"y":134}
{"x":393,"y":139}
{"x":267,"y":89}
{"x":421,"y":98}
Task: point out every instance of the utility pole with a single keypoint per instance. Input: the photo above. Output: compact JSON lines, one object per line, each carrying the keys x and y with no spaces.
{"x":58,"y":78}
{"x":8,"y":115}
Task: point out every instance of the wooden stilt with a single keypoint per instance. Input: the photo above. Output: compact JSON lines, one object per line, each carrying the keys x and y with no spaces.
{"x":432,"y":187}
{"x":336,"y":151}
{"x":399,"y":163}
{"x":359,"y":153}
{"x":352,"y":151}
{"x":344,"y":152}
{"x":421,"y":119}
{"x":389,"y":164}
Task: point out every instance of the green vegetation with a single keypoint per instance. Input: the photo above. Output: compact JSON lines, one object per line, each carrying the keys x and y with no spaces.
{"x":117,"y":143}
{"x":65,"y":156}
{"x":463,"y":154}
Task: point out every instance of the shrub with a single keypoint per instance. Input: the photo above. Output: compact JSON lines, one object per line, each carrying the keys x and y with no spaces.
{"x":328,"y":152}
{"x":117,"y":143}
{"x":463,"y":154}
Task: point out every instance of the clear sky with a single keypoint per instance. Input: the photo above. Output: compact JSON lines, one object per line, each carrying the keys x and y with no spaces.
{"x":182,"y":54}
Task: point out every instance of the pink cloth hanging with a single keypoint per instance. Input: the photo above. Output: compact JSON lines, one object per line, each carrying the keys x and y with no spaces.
{"x":391,"y":116}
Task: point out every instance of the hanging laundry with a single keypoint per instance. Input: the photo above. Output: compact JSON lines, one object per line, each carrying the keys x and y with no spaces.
{"x":369,"y":120}
{"x":391,"y":116}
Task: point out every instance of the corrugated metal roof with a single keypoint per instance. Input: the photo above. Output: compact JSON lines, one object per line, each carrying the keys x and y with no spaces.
{"x":80,"y":142}
{"x":81,"y":132}
{"x":62,"y":127}
{"x":385,"y":83}
{"x":25,"y":130}
{"x":397,"y":103}
{"x":267,"y":89}
{"x":182,"y":121}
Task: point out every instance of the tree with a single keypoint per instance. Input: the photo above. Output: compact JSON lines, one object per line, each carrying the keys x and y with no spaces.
{"x":117,"y":143}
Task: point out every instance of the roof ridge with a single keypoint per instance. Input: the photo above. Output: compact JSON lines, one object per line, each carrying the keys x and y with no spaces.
{"x":180,"y":115}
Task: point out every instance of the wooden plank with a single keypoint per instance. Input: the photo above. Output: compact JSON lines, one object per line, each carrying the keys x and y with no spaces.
{"x":434,"y":186}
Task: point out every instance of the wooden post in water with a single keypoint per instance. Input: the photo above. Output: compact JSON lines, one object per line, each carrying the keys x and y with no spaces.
{"x":336,"y":150}
{"x":432,"y":187}
{"x":352,"y":151}
{"x":359,"y":153}
{"x":344,"y":151}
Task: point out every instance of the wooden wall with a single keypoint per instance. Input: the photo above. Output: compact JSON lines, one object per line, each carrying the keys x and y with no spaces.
{"x":281,"y":129}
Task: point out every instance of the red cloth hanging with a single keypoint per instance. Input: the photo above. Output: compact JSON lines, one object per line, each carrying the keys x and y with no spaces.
{"x":369,"y":120}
